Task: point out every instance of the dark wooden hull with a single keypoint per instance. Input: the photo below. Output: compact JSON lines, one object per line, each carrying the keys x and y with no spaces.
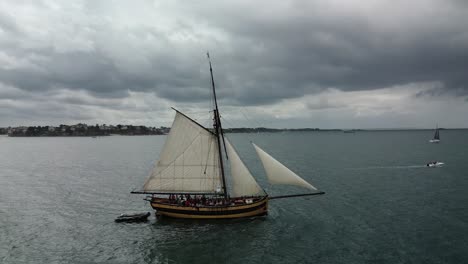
{"x":257,"y":208}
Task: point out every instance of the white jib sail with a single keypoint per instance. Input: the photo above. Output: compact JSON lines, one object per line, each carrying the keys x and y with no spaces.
{"x":242,"y":181}
{"x":277,"y":173}
{"x":189,"y":160}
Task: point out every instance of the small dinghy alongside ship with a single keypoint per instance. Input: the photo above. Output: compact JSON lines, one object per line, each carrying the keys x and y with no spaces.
{"x":133,"y":217}
{"x":189,"y":180}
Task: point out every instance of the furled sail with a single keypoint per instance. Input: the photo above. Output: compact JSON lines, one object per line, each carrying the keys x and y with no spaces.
{"x":277,"y":173}
{"x":189,"y":160}
{"x":243,"y":183}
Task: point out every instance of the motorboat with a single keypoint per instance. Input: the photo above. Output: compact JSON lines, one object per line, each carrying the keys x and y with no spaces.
{"x":434,"y":164}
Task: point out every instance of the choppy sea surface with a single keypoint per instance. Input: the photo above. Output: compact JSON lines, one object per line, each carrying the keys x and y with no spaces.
{"x":59,"y":197}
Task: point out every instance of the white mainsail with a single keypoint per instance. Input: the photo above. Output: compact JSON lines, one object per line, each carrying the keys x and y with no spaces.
{"x":189,"y":160}
{"x":277,"y":173}
{"x":242,"y":181}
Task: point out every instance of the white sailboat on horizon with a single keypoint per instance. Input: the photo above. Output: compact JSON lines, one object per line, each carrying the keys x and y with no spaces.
{"x":436,"y":138}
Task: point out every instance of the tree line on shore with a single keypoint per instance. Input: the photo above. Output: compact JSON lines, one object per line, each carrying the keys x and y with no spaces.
{"x":81,"y":130}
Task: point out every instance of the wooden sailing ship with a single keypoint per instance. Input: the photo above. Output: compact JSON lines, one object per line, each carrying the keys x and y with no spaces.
{"x":189,"y":179}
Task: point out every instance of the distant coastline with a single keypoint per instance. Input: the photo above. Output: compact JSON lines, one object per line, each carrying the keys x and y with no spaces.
{"x":81,"y":130}
{"x":84,"y":130}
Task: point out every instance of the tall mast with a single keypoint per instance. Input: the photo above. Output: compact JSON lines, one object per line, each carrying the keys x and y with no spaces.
{"x":218,"y":128}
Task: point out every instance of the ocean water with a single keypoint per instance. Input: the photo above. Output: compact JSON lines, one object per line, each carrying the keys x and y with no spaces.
{"x":59,"y":198}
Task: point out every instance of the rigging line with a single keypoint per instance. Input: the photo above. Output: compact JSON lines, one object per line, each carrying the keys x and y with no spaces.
{"x":204,"y":120}
{"x":260,"y":121}
{"x":235,"y":124}
{"x":198,"y":112}
{"x":229,"y":122}
{"x":248,"y":119}
{"x":207,"y":157}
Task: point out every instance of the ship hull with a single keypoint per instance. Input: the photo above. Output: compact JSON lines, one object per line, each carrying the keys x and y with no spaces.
{"x":256,"y":208}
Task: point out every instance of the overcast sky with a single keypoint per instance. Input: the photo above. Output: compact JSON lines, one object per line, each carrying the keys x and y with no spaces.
{"x":327,"y":64}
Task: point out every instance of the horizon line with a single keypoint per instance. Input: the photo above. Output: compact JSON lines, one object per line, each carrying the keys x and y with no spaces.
{"x":272,"y":128}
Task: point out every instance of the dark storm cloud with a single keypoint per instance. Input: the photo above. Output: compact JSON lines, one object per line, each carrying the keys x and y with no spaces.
{"x":91,"y":71}
{"x":261,"y":54}
{"x":305,"y":52}
{"x":41,"y":111}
